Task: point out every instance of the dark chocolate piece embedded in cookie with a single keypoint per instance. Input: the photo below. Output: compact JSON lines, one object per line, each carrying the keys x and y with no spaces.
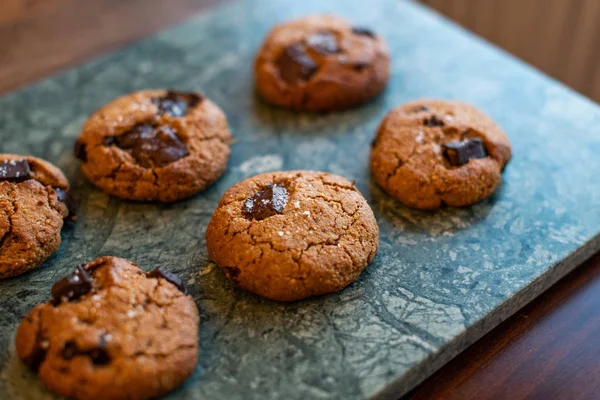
{"x":155,"y":145}
{"x":419,"y":109}
{"x":66,"y":198}
{"x":428,"y":153}
{"x":266,"y":203}
{"x":33,"y":204}
{"x":163,"y":148}
{"x":97,"y":354}
{"x":295,"y":64}
{"x":291,"y":235}
{"x":169,"y":277}
{"x":358,"y":30}
{"x":72,"y":286}
{"x":151,"y":146}
{"x":176,"y":104}
{"x":80,"y":151}
{"x":117,"y":340}
{"x":459,"y":153}
{"x":321,"y":63}
{"x":433,"y":122}
{"x":15,"y":171}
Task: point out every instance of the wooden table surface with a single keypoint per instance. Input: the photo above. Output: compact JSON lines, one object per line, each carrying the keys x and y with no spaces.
{"x":548,"y":350}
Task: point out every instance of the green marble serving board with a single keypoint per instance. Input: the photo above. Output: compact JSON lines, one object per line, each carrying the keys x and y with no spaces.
{"x":440,"y":281}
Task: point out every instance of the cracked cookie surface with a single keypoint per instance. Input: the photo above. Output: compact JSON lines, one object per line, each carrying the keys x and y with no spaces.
{"x":291,"y":235}
{"x":111,"y":332}
{"x":34,"y":202}
{"x":428,"y":153}
{"x":321,"y":63}
{"x":155,"y":145}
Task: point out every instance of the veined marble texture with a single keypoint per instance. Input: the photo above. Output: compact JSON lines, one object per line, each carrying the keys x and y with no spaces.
{"x":440,"y":280}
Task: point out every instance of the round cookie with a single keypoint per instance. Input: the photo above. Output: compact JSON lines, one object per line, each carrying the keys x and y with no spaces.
{"x":112,"y":331}
{"x":291,"y":235}
{"x":429,"y":153}
{"x":155,"y":145}
{"x":321,"y":63}
{"x":34,"y":201}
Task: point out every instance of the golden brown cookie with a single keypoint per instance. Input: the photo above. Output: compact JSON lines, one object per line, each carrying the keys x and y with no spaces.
{"x":112,"y":331}
{"x":321,"y":63}
{"x":155,"y":145}
{"x":428,"y":153}
{"x":291,"y":235}
{"x":34,"y":201}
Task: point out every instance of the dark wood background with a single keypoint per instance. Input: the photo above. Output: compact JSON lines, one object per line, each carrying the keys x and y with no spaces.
{"x":561,"y":37}
{"x":549,"y":350}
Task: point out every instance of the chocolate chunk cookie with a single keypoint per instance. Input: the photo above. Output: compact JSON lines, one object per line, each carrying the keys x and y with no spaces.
{"x":112,"y":331}
{"x":155,"y":145}
{"x":321,"y":63}
{"x":291,"y":235}
{"x":429,"y":153}
{"x":34,"y":201}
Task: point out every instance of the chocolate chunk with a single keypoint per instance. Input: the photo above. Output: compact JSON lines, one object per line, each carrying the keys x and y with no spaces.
{"x":176,"y":104}
{"x":129,"y":139}
{"x":80,"y":151}
{"x":419,"y":109}
{"x":152,"y":147}
{"x":70,"y":350}
{"x":38,"y":353}
{"x":459,"y":153}
{"x":295,"y":65}
{"x":360,"y":66}
{"x":161,"y":149}
{"x":433,"y":122}
{"x":72,"y":286}
{"x":357,"y":30}
{"x":15,"y":171}
{"x":98,"y":355}
{"x":323,"y":43}
{"x":109,"y":141}
{"x":169,"y":277}
{"x":64,"y":197}
{"x":232,"y":273}
{"x":266,"y":203}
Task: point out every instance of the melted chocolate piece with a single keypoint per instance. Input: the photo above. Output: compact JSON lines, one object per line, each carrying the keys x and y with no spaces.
{"x":177,"y":104}
{"x":152,"y":147}
{"x":162,"y":149}
{"x":169,"y":277}
{"x":295,"y":65}
{"x":64,"y":197}
{"x":129,"y":139}
{"x":433,"y":122}
{"x":15,"y":171}
{"x":266,"y":203}
{"x":459,"y":153}
{"x":72,"y":286}
{"x":80,"y":151}
{"x":358,"y":30}
{"x":323,"y":43}
{"x":98,"y":355}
